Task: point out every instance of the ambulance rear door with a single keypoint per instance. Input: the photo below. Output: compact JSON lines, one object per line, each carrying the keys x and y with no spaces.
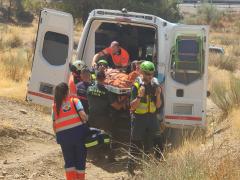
{"x":186,"y":77}
{"x":53,"y":52}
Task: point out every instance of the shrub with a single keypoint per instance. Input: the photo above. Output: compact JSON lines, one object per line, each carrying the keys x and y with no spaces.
{"x":191,"y":162}
{"x":229,"y":63}
{"x":237,"y":26}
{"x":209,"y":14}
{"x":236,"y":50}
{"x":13,"y":40}
{"x":14,"y":64}
{"x":25,"y":16}
{"x":225,"y":96}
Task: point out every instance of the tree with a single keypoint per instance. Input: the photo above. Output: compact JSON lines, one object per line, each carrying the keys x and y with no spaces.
{"x":167,"y":9}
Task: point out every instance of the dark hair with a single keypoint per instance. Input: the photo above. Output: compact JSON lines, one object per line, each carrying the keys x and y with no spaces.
{"x":100,"y":76}
{"x":61,"y":92}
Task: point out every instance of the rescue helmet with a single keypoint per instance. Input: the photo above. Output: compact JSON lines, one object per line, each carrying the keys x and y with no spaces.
{"x":147,"y":66}
{"x":102,"y":61}
{"x":79,"y":64}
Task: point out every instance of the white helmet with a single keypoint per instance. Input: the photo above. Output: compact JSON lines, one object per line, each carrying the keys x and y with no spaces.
{"x":79,"y":65}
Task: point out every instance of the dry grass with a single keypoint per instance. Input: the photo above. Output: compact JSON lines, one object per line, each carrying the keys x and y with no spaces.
{"x":15,"y":59}
{"x":226,"y":95}
{"x":229,"y":63}
{"x":218,"y":161}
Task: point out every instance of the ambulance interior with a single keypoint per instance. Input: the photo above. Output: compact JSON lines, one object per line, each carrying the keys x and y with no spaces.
{"x":138,"y":39}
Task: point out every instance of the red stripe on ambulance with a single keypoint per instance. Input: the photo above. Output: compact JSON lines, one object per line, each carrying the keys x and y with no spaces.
{"x":189,"y":118}
{"x":40,"y":95}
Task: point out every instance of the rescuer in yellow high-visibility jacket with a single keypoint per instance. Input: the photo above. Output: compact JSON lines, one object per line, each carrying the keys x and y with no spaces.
{"x":145,"y":100}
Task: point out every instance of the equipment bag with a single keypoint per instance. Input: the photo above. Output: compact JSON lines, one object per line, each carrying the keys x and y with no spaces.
{"x":96,"y":137}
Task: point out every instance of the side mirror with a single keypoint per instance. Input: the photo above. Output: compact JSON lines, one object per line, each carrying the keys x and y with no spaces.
{"x":208,"y":93}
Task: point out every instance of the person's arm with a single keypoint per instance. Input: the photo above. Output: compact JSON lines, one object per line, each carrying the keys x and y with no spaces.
{"x":158,"y":97}
{"x":83,"y":116}
{"x":98,"y":55}
{"x":80,"y":110}
{"x":136,"y":97}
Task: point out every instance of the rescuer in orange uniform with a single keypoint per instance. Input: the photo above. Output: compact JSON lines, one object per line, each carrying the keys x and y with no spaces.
{"x":119,"y":56}
{"x":69,"y":124}
{"x":75,"y":78}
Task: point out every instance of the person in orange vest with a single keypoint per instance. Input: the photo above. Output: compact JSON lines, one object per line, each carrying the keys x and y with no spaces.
{"x":119,"y":56}
{"x":69,"y":124}
{"x":75,"y":77}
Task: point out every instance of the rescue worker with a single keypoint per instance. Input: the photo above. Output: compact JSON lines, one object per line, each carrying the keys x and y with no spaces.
{"x":119,"y":56}
{"x":75,"y":78}
{"x":82,"y":88}
{"x":69,"y":124}
{"x":145,"y":100}
{"x":101,"y":102}
{"x":102,"y":65}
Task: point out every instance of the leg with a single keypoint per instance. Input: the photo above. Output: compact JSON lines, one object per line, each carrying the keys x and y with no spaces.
{"x":80,"y":160}
{"x":69,"y":158}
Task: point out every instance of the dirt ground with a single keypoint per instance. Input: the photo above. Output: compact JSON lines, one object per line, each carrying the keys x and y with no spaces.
{"x":28,"y":149}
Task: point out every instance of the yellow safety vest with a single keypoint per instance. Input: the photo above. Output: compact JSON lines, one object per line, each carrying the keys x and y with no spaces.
{"x":145,"y":106}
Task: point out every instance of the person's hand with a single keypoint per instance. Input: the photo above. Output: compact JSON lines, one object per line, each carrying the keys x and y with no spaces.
{"x":94,"y":65}
{"x":141,"y":91}
{"x":158,"y":91}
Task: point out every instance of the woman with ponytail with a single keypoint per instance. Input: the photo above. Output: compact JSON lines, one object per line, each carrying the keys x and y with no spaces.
{"x":69,"y":124}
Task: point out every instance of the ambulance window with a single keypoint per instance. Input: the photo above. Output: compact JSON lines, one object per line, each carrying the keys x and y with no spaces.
{"x":55,"y":48}
{"x":188,"y":50}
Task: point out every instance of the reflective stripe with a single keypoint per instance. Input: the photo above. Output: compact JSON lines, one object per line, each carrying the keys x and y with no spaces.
{"x":106,"y":141}
{"x":66,"y":123}
{"x":70,"y":169}
{"x":91,"y":144}
{"x":145,"y":107}
{"x":69,"y":126}
{"x":66,"y":118}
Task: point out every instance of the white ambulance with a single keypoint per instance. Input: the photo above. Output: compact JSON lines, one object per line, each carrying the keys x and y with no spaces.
{"x":180,"y":53}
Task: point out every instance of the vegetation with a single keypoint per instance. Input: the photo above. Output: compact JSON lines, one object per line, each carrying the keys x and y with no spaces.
{"x":229,"y":63}
{"x":25,"y":9}
{"x":206,"y":14}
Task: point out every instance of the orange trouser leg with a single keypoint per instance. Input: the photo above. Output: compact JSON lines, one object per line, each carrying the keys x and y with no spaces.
{"x":80,"y":175}
{"x":71,"y":175}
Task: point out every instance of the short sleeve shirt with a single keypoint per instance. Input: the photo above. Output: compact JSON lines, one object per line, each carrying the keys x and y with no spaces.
{"x":119,"y":60}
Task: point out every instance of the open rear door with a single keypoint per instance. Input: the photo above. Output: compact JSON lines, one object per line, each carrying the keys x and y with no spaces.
{"x":186,"y":78}
{"x":53,"y":51}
